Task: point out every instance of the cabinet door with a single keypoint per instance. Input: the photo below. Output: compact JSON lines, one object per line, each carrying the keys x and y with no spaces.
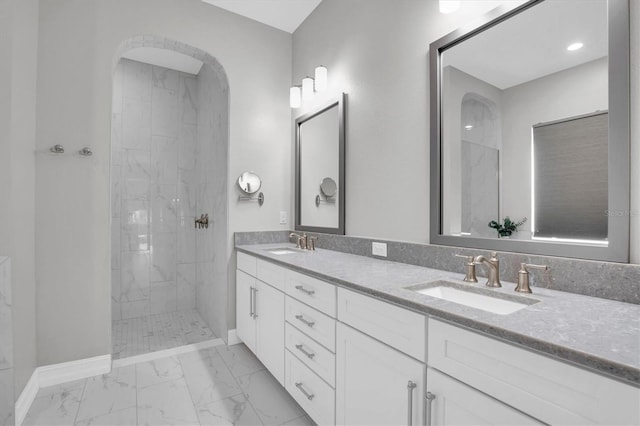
{"x":269,"y":311}
{"x":457,"y":404}
{"x":245,"y":323}
{"x":372,"y":382}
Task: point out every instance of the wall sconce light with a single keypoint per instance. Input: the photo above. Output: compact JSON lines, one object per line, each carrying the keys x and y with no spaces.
{"x":295,"y":97}
{"x":304,"y":93}
{"x":321,"y":78}
{"x":449,"y":6}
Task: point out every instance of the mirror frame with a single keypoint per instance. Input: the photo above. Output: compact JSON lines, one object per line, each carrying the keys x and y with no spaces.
{"x":340,"y":103}
{"x":619,"y":154}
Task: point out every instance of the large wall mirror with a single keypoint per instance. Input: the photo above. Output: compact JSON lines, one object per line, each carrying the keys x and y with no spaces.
{"x":530,"y":122}
{"x":320,"y":152}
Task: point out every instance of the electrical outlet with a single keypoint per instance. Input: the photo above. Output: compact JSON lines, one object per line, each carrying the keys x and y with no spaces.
{"x":283,"y":218}
{"x":379,"y":249}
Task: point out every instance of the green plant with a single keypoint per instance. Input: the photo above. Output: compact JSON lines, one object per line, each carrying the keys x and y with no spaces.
{"x":506,"y":228}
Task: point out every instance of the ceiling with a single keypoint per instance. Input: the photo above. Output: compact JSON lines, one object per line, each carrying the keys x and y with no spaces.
{"x":286,"y":15}
{"x":534,"y":43}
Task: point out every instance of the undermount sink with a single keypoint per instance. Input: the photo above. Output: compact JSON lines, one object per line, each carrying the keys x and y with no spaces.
{"x":474,"y":297}
{"x":282,"y":250}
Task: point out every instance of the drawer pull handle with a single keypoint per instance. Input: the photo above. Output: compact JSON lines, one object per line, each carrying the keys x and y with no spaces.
{"x":429,"y":397}
{"x":307,"y":322}
{"x":308,"y":354}
{"x":304,"y":290}
{"x":254,"y":315}
{"x":309,"y":396}
{"x":410,"y":387}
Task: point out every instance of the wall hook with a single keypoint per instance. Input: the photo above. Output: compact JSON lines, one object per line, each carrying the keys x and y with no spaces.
{"x":86,"y":151}
{"x":57,"y":149}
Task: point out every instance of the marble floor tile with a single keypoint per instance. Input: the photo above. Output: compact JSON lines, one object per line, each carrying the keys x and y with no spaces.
{"x":108,"y":394}
{"x":271,"y":401}
{"x":208,"y":377}
{"x":235,"y":410}
{"x":300,"y":421}
{"x":126,"y":417}
{"x":240,"y":359}
{"x":57,"y":405}
{"x":166,"y":403}
{"x":158,"y":371}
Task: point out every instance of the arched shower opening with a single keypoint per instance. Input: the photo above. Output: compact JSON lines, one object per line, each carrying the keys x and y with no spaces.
{"x":169,"y":147}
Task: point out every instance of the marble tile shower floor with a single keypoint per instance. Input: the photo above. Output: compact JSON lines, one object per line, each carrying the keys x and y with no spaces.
{"x":216,"y":386}
{"x":152,"y":333}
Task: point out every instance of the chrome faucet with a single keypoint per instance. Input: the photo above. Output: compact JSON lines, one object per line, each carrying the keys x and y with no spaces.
{"x":493,"y":265}
{"x":470,"y":277}
{"x":523,"y":276}
{"x":304,"y":242}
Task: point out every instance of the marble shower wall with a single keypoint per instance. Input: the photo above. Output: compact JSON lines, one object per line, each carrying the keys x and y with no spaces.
{"x":211,"y":177}
{"x":153,"y":193}
{"x":6,"y":345}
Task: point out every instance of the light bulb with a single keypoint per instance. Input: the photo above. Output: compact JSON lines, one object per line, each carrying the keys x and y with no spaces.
{"x":307,"y":89}
{"x":295,"y":99}
{"x":321,"y":78}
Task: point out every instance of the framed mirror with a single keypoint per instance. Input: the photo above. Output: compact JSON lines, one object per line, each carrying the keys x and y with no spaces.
{"x":530,"y":131}
{"x":320,"y":160}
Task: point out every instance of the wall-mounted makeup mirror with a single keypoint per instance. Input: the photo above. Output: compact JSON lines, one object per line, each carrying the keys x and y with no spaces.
{"x":530,"y":120}
{"x":320,"y":147}
{"x":328,"y":188}
{"x":249,"y":183}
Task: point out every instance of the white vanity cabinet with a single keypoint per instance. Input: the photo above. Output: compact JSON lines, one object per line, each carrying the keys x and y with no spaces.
{"x":454,"y":403}
{"x":260,"y":312}
{"x":548,"y":390}
{"x":378,"y":382}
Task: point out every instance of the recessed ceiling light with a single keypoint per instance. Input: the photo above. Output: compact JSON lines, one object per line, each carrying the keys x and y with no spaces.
{"x":574,"y":46}
{"x":468,"y":127}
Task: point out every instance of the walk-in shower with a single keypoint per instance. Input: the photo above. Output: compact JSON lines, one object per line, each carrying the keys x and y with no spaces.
{"x":169,"y":166}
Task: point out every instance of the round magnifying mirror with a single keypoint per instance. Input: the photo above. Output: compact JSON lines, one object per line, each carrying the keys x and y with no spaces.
{"x":249,"y":182}
{"x":328,"y":187}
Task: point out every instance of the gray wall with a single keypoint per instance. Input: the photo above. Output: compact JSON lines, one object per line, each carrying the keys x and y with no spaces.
{"x":376,"y":51}
{"x":79,"y":43}
{"x":18,"y":49}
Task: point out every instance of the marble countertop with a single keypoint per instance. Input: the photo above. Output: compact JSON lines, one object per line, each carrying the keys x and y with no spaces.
{"x":598,"y":334}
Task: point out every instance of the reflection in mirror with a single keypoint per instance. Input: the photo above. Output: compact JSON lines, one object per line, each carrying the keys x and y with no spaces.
{"x":328,"y":187}
{"x":320,"y":157}
{"x":249,"y":183}
{"x":531,"y":114}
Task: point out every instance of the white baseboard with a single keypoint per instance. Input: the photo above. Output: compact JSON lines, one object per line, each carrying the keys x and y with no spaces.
{"x":26,"y":398}
{"x":55,"y":374}
{"x":123,"y":362}
{"x":232,"y":338}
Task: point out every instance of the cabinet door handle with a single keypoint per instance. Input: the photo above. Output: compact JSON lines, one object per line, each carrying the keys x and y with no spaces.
{"x":304,"y":290}
{"x":254,"y":292}
{"x":308,"y":354}
{"x":307,"y":322}
{"x":251,"y":302}
{"x":309,"y":396}
{"x":429,"y":397}
{"x":410,"y":387}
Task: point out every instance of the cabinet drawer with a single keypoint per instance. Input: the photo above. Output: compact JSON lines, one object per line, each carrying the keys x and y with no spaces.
{"x":315,"y":396}
{"x":397,"y":327}
{"x":270,"y":273}
{"x":246,"y":263}
{"x":314,"y":324}
{"x":551,"y":391}
{"x":312,"y":354}
{"x":312,"y":291}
